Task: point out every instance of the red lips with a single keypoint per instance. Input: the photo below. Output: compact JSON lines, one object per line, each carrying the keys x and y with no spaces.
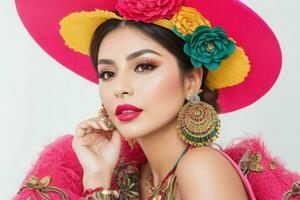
{"x":120,"y":108}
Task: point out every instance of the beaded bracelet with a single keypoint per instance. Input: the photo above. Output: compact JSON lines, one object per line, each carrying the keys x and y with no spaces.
{"x":100,"y":193}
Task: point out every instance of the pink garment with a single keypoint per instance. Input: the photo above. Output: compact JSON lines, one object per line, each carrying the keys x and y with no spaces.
{"x":59,"y":161}
{"x":268,"y":184}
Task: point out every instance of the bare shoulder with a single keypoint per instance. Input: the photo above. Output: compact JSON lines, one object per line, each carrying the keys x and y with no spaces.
{"x":204,"y":172}
{"x":204,"y":157}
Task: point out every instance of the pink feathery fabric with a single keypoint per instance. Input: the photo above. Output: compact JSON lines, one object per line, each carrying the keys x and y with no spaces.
{"x":268,"y":184}
{"x":59,"y":161}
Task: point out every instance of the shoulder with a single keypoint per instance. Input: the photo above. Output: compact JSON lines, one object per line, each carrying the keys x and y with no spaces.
{"x":203,"y":160}
{"x":204,"y":172}
{"x":59,"y":150}
{"x":196,"y":155}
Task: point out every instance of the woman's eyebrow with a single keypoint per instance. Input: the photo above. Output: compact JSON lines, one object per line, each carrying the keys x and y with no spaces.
{"x":141,"y":52}
{"x":130,"y":56}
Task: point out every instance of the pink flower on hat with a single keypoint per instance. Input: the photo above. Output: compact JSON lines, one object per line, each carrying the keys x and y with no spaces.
{"x":147,"y":10}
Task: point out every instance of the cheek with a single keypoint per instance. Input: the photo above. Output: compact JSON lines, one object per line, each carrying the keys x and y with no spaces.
{"x":163,"y":93}
{"x":165,"y":87}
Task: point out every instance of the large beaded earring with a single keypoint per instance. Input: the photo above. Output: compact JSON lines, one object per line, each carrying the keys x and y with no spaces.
{"x":102,"y":112}
{"x":198,"y":123}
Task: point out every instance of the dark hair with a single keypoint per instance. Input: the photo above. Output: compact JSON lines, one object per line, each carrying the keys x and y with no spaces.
{"x":167,"y":39}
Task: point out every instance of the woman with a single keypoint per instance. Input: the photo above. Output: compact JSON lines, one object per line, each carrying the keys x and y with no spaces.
{"x":153,"y":62}
{"x":145,"y":80}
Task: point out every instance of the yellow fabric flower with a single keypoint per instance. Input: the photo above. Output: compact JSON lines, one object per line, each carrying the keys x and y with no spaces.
{"x":77,"y":28}
{"x":233,"y":71}
{"x":187,"y":19}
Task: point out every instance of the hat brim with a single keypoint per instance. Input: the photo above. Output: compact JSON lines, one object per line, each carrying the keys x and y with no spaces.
{"x":41,"y":19}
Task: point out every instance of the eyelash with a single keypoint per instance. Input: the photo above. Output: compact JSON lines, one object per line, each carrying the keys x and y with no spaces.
{"x":148,"y":63}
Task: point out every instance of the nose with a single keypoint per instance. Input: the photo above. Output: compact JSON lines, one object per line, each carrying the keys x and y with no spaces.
{"x":123,"y":88}
{"x":120,"y":93}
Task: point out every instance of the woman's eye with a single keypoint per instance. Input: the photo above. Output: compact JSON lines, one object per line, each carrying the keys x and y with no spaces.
{"x":102,"y":75}
{"x":145,"y":67}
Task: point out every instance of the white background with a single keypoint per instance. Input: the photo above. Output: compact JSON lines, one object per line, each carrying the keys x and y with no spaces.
{"x":41,"y":100}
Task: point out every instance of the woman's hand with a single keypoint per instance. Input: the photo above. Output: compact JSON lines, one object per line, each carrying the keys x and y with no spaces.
{"x":97,"y":147}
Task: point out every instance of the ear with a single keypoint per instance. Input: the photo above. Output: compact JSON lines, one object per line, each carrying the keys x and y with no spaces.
{"x":193,"y":80}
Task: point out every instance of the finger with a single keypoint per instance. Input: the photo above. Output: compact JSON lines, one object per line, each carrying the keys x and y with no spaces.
{"x":116,"y":138}
{"x":102,"y":119}
{"x":102,"y":124}
{"x":102,"y":115}
{"x":91,"y":139}
{"x":85,"y":126}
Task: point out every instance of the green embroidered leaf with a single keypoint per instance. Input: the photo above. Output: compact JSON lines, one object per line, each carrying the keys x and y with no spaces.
{"x":45,"y":181}
{"x":33,"y":180}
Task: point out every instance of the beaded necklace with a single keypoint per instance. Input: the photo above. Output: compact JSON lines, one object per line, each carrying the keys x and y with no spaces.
{"x":159,"y":192}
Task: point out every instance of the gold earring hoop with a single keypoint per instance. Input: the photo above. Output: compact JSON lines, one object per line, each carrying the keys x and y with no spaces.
{"x":198,"y":123}
{"x":103,"y":112}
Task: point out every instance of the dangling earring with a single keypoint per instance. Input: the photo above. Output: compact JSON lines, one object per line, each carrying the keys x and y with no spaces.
{"x":103,"y":112}
{"x":131,"y":143}
{"x":198,"y":123}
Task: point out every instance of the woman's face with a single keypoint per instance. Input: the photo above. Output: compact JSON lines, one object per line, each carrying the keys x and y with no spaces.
{"x":149,"y":80}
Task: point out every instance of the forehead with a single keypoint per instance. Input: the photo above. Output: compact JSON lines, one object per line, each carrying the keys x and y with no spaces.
{"x":125,"y":40}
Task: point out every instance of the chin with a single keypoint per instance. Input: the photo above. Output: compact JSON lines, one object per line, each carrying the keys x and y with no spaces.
{"x":132,"y":131}
{"x":130,"y":135}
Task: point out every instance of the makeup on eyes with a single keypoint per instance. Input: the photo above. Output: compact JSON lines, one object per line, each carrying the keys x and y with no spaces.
{"x":108,"y":69}
{"x":149,"y":62}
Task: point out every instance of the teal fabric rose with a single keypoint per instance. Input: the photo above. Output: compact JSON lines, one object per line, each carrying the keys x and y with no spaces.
{"x":207,"y":46}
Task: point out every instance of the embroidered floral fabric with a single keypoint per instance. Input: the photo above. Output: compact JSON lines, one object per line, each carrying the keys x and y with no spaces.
{"x":127,"y":178}
{"x":57,"y":173}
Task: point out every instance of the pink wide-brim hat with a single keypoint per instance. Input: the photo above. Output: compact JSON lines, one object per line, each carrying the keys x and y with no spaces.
{"x":41,"y":19}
